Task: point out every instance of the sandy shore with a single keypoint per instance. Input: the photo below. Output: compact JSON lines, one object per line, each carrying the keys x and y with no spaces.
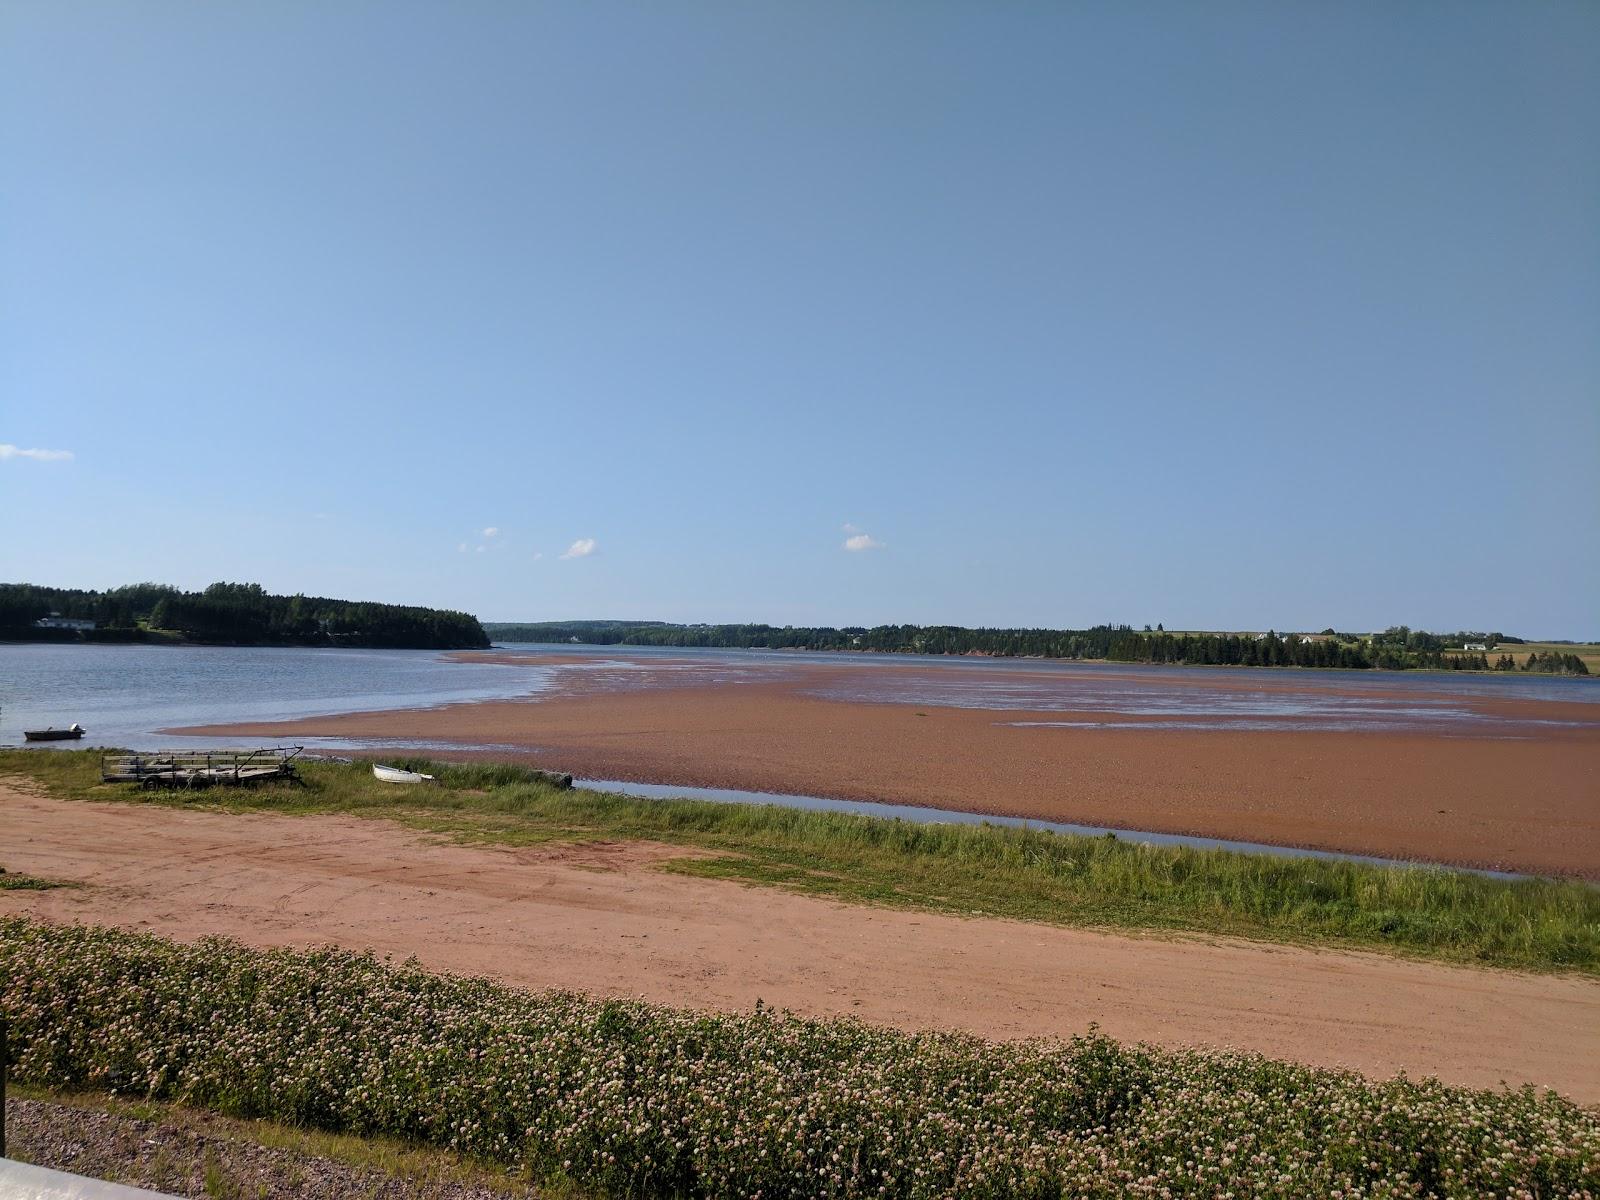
{"x":1530,"y":803}
{"x":600,"y":918}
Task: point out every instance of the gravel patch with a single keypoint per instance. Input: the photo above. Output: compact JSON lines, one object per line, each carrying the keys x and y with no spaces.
{"x":198,"y":1158}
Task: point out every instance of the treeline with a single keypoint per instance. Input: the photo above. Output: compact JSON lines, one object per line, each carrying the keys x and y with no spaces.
{"x":1549,"y":663}
{"x":1398,"y":648}
{"x":1250,"y":650}
{"x":883,"y":639}
{"x":1271,"y":650}
{"x":233,"y":614}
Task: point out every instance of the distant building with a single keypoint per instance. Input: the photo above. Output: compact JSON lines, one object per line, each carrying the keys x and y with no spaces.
{"x":1474,"y":646}
{"x":57,"y":621}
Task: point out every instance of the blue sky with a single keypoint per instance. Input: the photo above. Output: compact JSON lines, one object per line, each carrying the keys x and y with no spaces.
{"x":1223,"y":315}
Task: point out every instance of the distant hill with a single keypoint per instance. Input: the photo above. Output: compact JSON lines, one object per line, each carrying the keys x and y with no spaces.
{"x":236,"y":614}
{"x":1396,"y":648}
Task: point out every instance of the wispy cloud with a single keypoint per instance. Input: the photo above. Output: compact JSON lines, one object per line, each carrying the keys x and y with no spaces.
{"x":850,"y":528}
{"x":581,"y":548}
{"x":9,"y":451}
{"x":476,"y":546}
{"x":862,"y":541}
{"x":537,"y":555}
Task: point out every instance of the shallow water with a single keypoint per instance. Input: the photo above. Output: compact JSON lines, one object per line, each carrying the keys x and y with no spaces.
{"x":938,"y":816}
{"x":1228,"y":698}
{"x":124,"y":695}
{"x":1115,"y":695}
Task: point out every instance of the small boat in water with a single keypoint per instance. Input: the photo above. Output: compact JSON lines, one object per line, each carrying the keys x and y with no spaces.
{"x":396,"y":775}
{"x":53,"y":734}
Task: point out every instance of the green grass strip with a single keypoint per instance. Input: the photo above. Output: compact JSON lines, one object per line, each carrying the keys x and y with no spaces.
{"x":1456,"y":916}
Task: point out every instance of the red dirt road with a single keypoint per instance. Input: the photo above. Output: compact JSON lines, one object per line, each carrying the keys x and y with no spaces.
{"x":601,"y":919}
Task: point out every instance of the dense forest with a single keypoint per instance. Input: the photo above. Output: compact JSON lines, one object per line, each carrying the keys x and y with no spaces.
{"x":1397,"y":648}
{"x":238,"y":614}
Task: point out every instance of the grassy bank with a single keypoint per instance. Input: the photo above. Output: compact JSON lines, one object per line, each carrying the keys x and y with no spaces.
{"x":630,"y":1099}
{"x":1545,"y":925}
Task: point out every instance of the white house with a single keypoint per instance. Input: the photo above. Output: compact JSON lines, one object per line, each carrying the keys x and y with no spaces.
{"x":1474,"y":646}
{"x":57,"y":621}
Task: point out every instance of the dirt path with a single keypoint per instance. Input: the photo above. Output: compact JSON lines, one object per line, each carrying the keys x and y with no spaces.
{"x":601,"y":920}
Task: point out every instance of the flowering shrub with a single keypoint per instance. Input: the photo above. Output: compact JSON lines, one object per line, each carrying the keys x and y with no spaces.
{"x":633,"y":1099}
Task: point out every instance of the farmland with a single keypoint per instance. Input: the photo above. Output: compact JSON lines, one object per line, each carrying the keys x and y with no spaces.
{"x":1587,"y":652}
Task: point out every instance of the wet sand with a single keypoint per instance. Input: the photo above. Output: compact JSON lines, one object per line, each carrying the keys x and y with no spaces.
{"x":1525,"y":803}
{"x":602,"y":919}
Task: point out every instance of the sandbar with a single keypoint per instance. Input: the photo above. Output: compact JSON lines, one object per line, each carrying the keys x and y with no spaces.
{"x":1526,"y":803}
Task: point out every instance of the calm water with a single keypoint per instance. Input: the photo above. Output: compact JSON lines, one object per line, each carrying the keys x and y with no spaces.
{"x":124,"y":695}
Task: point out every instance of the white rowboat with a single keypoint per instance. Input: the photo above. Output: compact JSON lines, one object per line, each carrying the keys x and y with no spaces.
{"x":396,"y":775}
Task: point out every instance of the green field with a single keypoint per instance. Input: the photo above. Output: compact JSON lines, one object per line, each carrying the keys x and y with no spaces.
{"x":1534,"y":924}
{"x":1589,"y":652}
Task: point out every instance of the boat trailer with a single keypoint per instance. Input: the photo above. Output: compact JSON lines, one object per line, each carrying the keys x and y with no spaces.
{"x":201,"y":768}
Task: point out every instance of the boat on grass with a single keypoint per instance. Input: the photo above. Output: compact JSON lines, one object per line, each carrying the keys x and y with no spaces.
{"x":52,"y":734}
{"x":396,"y":775}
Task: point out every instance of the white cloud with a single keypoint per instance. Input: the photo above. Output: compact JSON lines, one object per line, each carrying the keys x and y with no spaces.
{"x":862,"y":541}
{"x":849,"y":528}
{"x":462,"y":548}
{"x":538,"y":554}
{"x":492,"y":531}
{"x":9,"y":451}
{"x":581,"y":548}
{"x":481,"y":549}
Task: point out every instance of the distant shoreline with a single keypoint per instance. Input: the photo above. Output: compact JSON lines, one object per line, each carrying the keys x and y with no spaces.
{"x":846,"y":651}
{"x":146,"y":637}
